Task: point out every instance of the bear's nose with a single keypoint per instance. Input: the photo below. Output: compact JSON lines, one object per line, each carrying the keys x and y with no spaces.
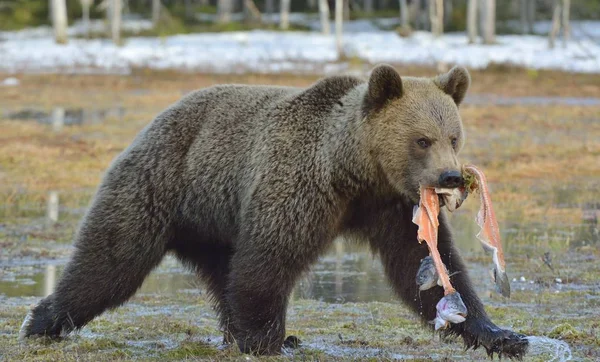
{"x":451,"y":179}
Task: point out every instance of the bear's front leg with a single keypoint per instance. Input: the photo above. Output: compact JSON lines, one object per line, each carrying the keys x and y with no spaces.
{"x":394,"y":236}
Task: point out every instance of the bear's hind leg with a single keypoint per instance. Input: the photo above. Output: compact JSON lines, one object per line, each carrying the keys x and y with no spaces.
{"x":258,"y":294}
{"x":114,"y":252}
{"x":261,"y":281}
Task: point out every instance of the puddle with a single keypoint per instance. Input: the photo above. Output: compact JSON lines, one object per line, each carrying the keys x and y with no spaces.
{"x":490,"y":99}
{"x":348,"y":272}
{"x":345,"y":287}
{"x":67,"y":117}
{"x":347,"y":276}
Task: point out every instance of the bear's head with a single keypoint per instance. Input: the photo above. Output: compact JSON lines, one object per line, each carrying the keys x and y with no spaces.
{"x":415,"y":130}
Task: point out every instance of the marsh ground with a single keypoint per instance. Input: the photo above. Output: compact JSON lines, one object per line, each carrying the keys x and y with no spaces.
{"x":541,"y":155}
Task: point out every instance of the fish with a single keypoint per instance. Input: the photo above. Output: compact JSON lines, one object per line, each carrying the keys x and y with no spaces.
{"x":427,"y":276}
{"x":432,"y":271}
{"x":450,"y":309}
{"x":426,"y":217}
{"x":489,"y":234}
{"x":453,"y":198}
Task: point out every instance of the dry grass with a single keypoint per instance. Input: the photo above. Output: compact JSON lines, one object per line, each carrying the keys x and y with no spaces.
{"x":543,"y":163}
{"x":520,"y":147}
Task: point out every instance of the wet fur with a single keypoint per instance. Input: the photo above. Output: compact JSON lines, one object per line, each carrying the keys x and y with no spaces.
{"x":250,"y":185}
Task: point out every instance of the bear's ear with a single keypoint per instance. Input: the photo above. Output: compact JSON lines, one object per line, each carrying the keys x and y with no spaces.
{"x":454,"y":83}
{"x":384,"y":85}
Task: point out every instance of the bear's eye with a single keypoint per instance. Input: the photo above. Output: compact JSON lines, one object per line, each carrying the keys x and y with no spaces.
{"x":424,"y":142}
{"x":454,"y":142}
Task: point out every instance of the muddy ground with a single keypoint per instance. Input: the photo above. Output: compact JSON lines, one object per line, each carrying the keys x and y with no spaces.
{"x":535,"y":134}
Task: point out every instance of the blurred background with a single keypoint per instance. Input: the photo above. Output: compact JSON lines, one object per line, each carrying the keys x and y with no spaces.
{"x":295,"y":36}
{"x":79,"y":79}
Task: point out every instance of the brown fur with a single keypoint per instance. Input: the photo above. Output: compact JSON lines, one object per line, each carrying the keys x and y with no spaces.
{"x":250,"y":185}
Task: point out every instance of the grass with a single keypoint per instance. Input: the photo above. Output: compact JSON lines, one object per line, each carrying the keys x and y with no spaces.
{"x":542,"y":162}
{"x":526,"y":145}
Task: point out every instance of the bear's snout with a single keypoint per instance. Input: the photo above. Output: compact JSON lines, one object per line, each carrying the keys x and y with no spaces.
{"x":450,"y":179}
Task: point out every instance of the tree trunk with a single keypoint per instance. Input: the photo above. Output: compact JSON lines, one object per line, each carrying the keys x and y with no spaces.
{"x":188,"y":9}
{"x":555,"y":24}
{"x":472,"y":20}
{"x":368,"y":6}
{"x":404,"y":23}
{"x":324,"y":13}
{"x":50,"y":15}
{"x":346,"y":10}
{"x":59,"y":20}
{"x":423,"y":16}
{"x":432,"y":23}
{"x":108,"y":11}
{"x":284,"y":21}
{"x":447,"y":12}
{"x":523,"y":15}
{"x":224,"y":8}
{"x":436,"y":16}
{"x":416,"y":13}
{"x":85,"y":16}
{"x":116,"y":22}
{"x":489,"y":28}
{"x":565,"y":21}
{"x":269,"y":7}
{"x":531,"y":8}
{"x":440,"y":16}
{"x":155,"y":11}
{"x":251,"y":12}
{"x":339,"y":20}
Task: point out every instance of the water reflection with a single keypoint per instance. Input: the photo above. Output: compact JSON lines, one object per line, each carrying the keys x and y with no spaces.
{"x":53,"y":206}
{"x":49,"y":279}
{"x":347,"y":273}
{"x":493,"y":99}
{"x":60,"y":116}
{"x":589,"y":234}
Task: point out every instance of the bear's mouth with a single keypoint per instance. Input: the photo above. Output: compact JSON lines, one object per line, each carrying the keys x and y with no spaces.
{"x":451,"y":198}
{"x":442,"y":201}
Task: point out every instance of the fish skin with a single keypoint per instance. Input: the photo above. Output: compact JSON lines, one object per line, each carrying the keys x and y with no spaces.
{"x":427,"y":277}
{"x":489,"y":235}
{"x":440,"y":323}
{"x":453,"y":198}
{"x":426,"y":217}
{"x":450,"y":309}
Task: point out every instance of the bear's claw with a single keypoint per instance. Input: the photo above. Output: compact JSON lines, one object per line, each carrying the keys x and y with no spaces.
{"x":513,"y":346}
{"x":494,"y":340}
{"x":292,"y":342}
{"x":504,"y":343}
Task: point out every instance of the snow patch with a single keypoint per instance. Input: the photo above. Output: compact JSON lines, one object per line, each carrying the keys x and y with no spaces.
{"x":10,"y":82}
{"x":34,"y":50}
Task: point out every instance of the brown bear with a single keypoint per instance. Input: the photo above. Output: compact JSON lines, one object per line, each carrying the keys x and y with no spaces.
{"x":249,"y":185}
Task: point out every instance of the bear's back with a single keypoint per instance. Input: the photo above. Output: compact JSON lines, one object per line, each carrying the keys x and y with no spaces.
{"x":206,"y":151}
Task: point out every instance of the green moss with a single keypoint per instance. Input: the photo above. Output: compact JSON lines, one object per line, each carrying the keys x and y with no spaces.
{"x":470,"y":181}
{"x":190,"y":349}
{"x":565,"y":332}
{"x":95,"y":344}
